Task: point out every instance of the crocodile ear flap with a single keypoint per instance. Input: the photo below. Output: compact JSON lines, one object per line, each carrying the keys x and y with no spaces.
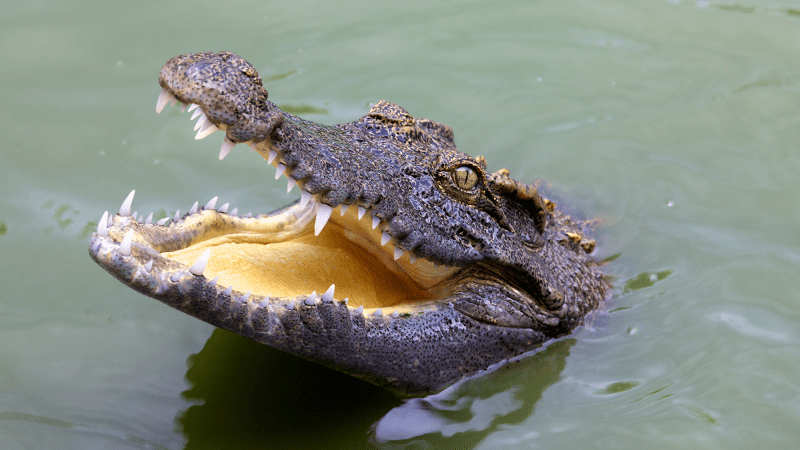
{"x":525,"y":194}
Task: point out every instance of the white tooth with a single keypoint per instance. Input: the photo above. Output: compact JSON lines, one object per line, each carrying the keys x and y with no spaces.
{"x":201,"y":121}
{"x":264,"y":303}
{"x":305,"y":197}
{"x":163,"y":221}
{"x":343,"y":209}
{"x":173,"y":101}
{"x":323,"y":214}
{"x":235,"y":212}
{"x":360,"y":309}
{"x":211,"y":203}
{"x":198,"y":267}
{"x":248,"y":215}
{"x":375,"y":222}
{"x":149,"y":266}
{"x":385,"y":238}
{"x":149,"y":219}
{"x":312,"y":299}
{"x":245,"y":297}
{"x":177,"y":216}
{"x":361,"y":212}
{"x":412,"y":258}
{"x":125,"y":245}
{"x":183,"y":107}
{"x":206,"y":130}
{"x":192,"y":107}
{"x":398,"y":252}
{"x":290,"y":305}
{"x":396,"y":314}
{"x":224,"y":208}
{"x":102,"y":226}
{"x":125,"y":209}
{"x":272,"y":156}
{"x":280,"y":170}
{"x":378,"y":312}
{"x":133,"y":216}
{"x":292,"y":183}
{"x":328,"y":295}
{"x":195,"y":114}
{"x":227,"y":291}
{"x":344,"y":302}
{"x":213,"y":282}
{"x":193,"y":209}
{"x":163,"y":98}
{"x":227,"y":146}
{"x":110,"y":221}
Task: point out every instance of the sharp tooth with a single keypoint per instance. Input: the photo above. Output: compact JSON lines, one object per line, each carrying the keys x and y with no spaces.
{"x":228,"y":291}
{"x":312,"y":299}
{"x":162,"y":221}
{"x":396,"y":314}
{"x":375,"y":222}
{"x":328,"y":295}
{"x":125,"y":245}
{"x":227,"y":146}
{"x":290,"y":305}
{"x":163,"y":99}
{"x":211,"y":203}
{"x":292,"y":183}
{"x":224,"y":208}
{"x":272,"y":156}
{"x":102,"y":226}
{"x":206,"y":130}
{"x":361,"y":212}
{"x":248,"y":215}
{"x":245,"y":297}
{"x":412,"y":258}
{"x":360,"y":309}
{"x":213,"y":282}
{"x":195,"y":114}
{"x":201,"y":121}
{"x":183,"y":107}
{"x":193,"y":209}
{"x":280,"y":170}
{"x":173,"y":101}
{"x":192,"y":107}
{"x":398,"y":252}
{"x":305,"y":197}
{"x":343,"y":209}
{"x":133,"y":216}
{"x":344,"y":302}
{"x":198,"y":267}
{"x":378,"y":312}
{"x":323,"y":214}
{"x":110,"y":221}
{"x":125,"y":209}
{"x":177,"y":216}
{"x":264,"y":303}
{"x":385,"y":238}
{"x":235,"y":212}
{"x":149,"y":219}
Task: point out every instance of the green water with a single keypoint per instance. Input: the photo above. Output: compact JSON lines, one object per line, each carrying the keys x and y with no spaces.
{"x":675,"y":122}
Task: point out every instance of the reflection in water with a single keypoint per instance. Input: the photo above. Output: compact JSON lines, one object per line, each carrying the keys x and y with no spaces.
{"x":467,"y":412}
{"x":248,"y":395}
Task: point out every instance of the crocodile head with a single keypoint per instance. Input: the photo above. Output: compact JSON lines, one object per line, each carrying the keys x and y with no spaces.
{"x":404,"y":262}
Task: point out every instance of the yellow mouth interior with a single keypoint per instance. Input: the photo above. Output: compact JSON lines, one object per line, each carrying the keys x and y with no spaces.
{"x":281,"y":257}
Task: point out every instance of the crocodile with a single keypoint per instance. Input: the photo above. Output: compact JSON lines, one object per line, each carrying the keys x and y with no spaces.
{"x":405,"y":262}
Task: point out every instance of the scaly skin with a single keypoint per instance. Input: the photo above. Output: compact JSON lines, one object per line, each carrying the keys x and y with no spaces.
{"x":481,"y":268}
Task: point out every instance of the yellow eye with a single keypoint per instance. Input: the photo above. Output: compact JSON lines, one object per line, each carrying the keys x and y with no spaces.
{"x":465,"y":177}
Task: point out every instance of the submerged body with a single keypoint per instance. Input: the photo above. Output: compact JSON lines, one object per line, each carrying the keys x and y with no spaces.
{"x":432,"y":268}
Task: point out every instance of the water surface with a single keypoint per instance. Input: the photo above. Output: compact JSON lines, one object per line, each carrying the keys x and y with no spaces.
{"x":674,"y":122}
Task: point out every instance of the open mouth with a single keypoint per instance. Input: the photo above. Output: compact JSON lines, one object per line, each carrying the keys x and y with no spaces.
{"x":292,"y":254}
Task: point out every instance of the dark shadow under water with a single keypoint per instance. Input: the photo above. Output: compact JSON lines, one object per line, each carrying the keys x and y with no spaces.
{"x":250,"y":396}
